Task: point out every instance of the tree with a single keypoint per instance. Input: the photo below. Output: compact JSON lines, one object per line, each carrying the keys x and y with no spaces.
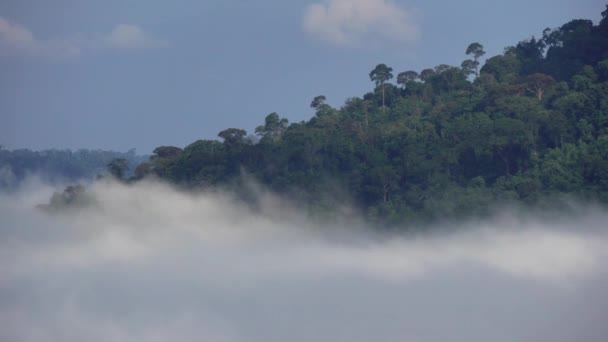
{"x":73,"y":195}
{"x":448,"y":78}
{"x":383,"y":179}
{"x":476,"y":50}
{"x":469,"y":67}
{"x":530,"y":53}
{"x":426,"y":74}
{"x":602,"y":70}
{"x":380,"y":75}
{"x":317,"y":102}
{"x":166,"y":152}
{"x":117,"y":167}
{"x":442,"y":68}
{"x":511,"y":142}
{"x":232,"y":135}
{"x":604,"y":21}
{"x":164,"y":160}
{"x":143,"y":169}
{"x":201,"y":163}
{"x":407,"y":76}
{"x":538,"y":83}
{"x":273,"y":128}
{"x":505,"y":68}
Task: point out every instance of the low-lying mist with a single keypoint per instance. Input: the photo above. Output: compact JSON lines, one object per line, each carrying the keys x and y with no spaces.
{"x":150,"y":263}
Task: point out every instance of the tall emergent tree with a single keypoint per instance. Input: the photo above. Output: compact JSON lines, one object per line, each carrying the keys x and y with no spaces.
{"x":380,"y":75}
{"x":476,"y":50}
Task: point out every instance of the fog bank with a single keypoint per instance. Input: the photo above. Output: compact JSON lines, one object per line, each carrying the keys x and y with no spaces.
{"x":150,"y":263}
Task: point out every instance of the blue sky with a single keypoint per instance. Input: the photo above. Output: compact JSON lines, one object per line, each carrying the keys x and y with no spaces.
{"x":144,"y":73}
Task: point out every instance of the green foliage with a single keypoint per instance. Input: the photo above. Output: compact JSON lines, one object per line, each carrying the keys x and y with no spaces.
{"x":439,"y":145}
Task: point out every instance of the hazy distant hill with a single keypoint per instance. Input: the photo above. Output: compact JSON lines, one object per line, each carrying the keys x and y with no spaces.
{"x":58,"y":165}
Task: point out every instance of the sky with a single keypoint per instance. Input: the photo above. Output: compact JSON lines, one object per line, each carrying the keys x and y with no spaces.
{"x":144,"y":73}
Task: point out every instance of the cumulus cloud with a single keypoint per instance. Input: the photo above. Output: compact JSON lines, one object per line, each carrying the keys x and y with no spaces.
{"x":148,"y":262}
{"x":16,"y":39}
{"x":346,"y":22}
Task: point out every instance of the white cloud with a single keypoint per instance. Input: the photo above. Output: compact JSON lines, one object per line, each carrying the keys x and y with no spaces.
{"x":16,"y":39}
{"x":347,"y":22}
{"x":125,"y":36}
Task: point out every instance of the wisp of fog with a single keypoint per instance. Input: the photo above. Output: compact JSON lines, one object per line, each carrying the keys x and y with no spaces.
{"x":147,"y":262}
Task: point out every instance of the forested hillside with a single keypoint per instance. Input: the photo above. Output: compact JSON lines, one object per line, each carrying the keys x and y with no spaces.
{"x":527,"y":125}
{"x":58,"y":165}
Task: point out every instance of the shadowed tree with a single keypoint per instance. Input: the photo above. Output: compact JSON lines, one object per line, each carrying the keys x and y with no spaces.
{"x":380,"y":75}
{"x":531,"y":54}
